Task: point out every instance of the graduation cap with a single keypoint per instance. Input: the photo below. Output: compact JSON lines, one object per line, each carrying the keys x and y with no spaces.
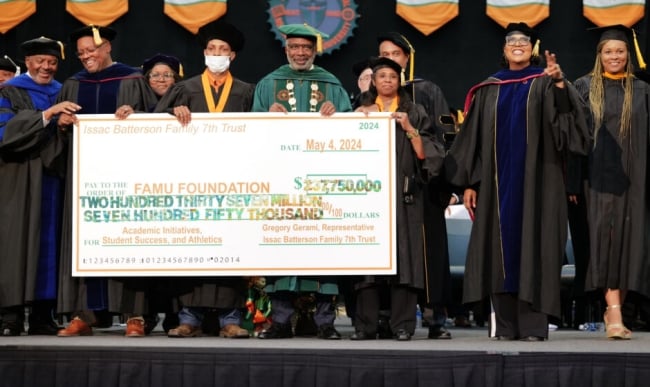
{"x":358,"y":67}
{"x":169,"y":60}
{"x":222,"y":30}
{"x":381,"y":62}
{"x":400,"y":41}
{"x":9,"y":65}
{"x":43,"y":46}
{"x":524,"y":29}
{"x":622,"y":33}
{"x":97,"y":32}
{"x":304,"y":31}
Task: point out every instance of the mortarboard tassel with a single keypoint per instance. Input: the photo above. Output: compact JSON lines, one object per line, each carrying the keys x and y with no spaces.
{"x":535,"y":51}
{"x":411,"y":61}
{"x":96,"y":36}
{"x":460,"y":117}
{"x":180,"y":70}
{"x":639,"y":57}
{"x":319,"y":37}
{"x":62,"y":49}
{"x":13,"y":63}
{"x":319,"y":43}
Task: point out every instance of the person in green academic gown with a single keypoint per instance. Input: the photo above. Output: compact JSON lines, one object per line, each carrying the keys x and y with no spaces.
{"x":301,"y":86}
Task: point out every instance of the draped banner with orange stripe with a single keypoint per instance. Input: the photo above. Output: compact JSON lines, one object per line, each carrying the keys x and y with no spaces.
{"x":13,"y":12}
{"x":427,"y":15}
{"x":531,"y":12}
{"x":194,"y":14}
{"x":610,"y":12}
{"x":100,"y":12}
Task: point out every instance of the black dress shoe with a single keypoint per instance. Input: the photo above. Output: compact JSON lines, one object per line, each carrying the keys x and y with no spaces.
{"x":532,"y":338}
{"x":439,"y":332}
{"x":505,"y":338}
{"x":402,"y":335}
{"x":361,"y":335}
{"x":48,"y":329}
{"x":383,"y":329}
{"x":276,"y":331}
{"x":11,"y":328}
{"x":150,"y":322}
{"x":328,"y":332}
{"x":305,"y":325}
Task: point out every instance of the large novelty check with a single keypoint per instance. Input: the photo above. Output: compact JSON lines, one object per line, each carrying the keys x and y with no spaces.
{"x":234,"y":194}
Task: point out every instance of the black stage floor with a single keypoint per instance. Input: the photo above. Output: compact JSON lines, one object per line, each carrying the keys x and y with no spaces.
{"x":569,"y":359}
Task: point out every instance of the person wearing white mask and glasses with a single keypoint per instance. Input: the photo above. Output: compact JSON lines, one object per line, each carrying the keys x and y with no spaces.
{"x":215,"y":90}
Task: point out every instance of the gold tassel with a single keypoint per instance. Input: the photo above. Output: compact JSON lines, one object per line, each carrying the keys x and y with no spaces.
{"x":180,"y":70}
{"x":535,"y":51}
{"x":319,"y":38}
{"x":62,"y":49}
{"x":460,"y":117}
{"x":411,"y":60}
{"x":96,"y":36}
{"x":402,"y":78}
{"x":639,"y":57}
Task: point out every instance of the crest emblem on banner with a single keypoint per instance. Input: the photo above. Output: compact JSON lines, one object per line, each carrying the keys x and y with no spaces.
{"x":337,"y":18}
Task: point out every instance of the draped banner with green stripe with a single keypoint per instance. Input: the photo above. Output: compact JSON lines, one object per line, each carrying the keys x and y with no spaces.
{"x":99,"y":12}
{"x":427,"y":15}
{"x":13,"y":12}
{"x":194,"y":14}
{"x":531,"y":12}
{"x":608,"y":12}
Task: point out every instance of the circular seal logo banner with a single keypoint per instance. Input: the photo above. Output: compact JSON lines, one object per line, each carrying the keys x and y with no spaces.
{"x":337,"y":18}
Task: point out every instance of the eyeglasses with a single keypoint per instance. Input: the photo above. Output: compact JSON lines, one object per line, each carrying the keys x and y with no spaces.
{"x":517,"y":41}
{"x":161,"y":76}
{"x":296,"y":47}
{"x":366,"y":77}
{"x":89,"y":51}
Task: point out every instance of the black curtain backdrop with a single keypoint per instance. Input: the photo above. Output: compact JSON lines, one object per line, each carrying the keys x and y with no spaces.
{"x":457,"y":56}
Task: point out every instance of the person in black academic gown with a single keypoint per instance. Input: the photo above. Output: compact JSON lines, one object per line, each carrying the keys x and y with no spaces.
{"x":215,"y":90}
{"x":618,"y":212}
{"x":419,"y":157}
{"x":99,"y":88}
{"x":437,"y":292}
{"x":32,"y":165}
{"x":510,"y":158}
{"x":161,"y":72}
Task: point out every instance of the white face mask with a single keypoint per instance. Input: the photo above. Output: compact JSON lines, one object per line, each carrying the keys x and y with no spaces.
{"x":217,"y":64}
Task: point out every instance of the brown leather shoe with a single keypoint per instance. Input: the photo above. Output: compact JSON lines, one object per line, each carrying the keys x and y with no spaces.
{"x":185,"y":330}
{"x":77,"y":327}
{"x":233,"y":331}
{"x":135,"y":327}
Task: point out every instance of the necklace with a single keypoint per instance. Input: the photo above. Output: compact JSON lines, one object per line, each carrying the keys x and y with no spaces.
{"x":313,"y":100}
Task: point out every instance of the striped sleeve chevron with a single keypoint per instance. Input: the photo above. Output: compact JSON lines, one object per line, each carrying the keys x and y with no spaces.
{"x":531,"y":12}
{"x":100,"y":12}
{"x":427,"y":15}
{"x":194,"y":14}
{"x":13,"y":12}
{"x":610,"y":12}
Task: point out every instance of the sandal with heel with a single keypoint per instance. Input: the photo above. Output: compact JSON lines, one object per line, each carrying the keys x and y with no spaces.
{"x":616,"y":331}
